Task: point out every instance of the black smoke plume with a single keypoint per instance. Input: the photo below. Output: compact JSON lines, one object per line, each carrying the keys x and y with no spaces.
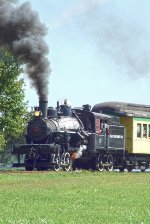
{"x":22,"y":31}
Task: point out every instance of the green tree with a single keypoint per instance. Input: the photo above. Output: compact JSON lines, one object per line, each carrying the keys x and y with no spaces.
{"x":13,"y":109}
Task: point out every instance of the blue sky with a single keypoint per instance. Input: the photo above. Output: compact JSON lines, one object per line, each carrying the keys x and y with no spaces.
{"x":99,"y":50}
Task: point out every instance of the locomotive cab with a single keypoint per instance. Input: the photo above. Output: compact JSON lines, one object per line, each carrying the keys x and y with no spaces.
{"x":105,"y":142}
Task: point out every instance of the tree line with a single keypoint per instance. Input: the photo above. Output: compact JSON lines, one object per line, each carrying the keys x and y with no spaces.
{"x":13,"y":108}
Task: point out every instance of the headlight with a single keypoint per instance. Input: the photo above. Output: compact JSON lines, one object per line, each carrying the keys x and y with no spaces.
{"x":37,"y":113}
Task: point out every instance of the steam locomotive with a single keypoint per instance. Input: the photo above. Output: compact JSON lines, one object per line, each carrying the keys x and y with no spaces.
{"x":68,"y":138}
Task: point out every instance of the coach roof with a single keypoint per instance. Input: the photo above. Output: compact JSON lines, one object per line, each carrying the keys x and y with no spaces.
{"x":121,"y":108}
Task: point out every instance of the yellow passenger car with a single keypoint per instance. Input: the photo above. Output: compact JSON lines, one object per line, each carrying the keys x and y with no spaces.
{"x":137,"y":134}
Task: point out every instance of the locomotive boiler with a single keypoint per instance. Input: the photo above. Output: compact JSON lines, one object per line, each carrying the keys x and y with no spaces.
{"x":65,"y":138}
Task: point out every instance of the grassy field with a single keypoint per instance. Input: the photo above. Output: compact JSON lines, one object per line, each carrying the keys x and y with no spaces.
{"x":75,"y":197}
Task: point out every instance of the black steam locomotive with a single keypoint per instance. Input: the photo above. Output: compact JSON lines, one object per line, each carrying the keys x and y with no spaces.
{"x":66,"y":138}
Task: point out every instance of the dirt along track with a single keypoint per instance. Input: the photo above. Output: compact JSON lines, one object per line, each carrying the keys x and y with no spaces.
{"x":23,"y":171}
{"x":10,"y":171}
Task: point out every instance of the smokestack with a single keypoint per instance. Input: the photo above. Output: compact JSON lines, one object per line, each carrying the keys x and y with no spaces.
{"x":43,"y":105}
{"x":22,"y":31}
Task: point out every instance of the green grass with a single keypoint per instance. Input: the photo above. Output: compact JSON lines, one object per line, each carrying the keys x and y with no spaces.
{"x":75,"y":197}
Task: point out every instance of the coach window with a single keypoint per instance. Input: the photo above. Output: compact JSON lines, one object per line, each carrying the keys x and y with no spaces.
{"x":144,"y":130}
{"x":149,"y":130}
{"x":138,"y":130}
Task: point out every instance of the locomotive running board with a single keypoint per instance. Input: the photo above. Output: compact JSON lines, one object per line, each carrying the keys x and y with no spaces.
{"x":44,"y":148}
